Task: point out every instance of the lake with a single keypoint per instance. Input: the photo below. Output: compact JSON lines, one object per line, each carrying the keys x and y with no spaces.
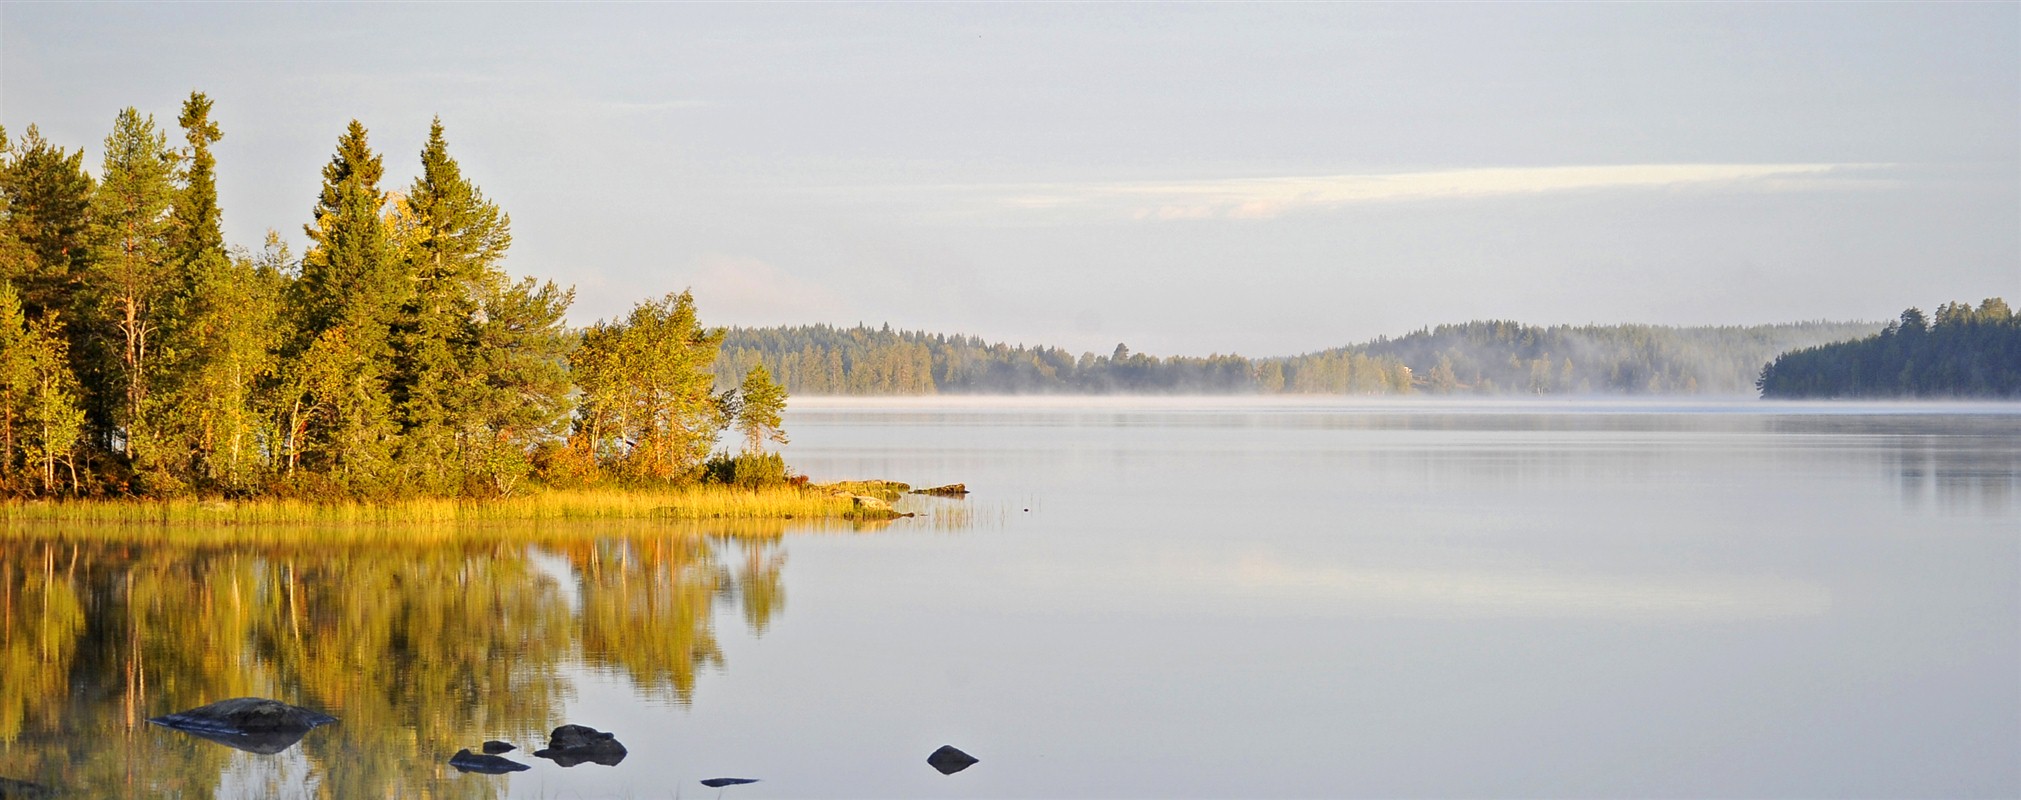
{"x":1140,"y":598}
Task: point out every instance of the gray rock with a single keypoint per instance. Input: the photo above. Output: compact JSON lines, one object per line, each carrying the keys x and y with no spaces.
{"x":872,"y":505}
{"x":949,"y":760}
{"x":245,"y":715}
{"x":570,"y":745}
{"x":466,"y":761}
{"x":718,"y":783}
{"x":494,"y":747}
{"x":252,"y":724}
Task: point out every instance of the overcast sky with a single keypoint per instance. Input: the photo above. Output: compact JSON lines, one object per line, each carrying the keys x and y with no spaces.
{"x":1263,"y":179}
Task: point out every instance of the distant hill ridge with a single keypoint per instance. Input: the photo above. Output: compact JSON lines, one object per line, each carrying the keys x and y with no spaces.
{"x":1482,"y":357}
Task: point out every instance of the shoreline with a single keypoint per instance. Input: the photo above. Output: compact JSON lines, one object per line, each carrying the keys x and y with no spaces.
{"x":840,"y":501}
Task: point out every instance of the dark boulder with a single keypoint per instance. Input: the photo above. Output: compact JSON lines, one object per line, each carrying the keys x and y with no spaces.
{"x":11,"y":789}
{"x":252,"y":724}
{"x":718,"y":783}
{"x":570,"y":745}
{"x":949,"y":760}
{"x":466,"y":761}
{"x":494,"y":747}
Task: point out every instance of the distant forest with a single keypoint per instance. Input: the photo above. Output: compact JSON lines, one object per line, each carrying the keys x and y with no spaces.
{"x":1966,"y":352}
{"x":1472,"y":358}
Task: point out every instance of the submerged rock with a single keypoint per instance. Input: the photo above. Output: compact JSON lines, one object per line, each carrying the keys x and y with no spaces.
{"x":570,"y":745}
{"x":950,"y":490}
{"x":949,"y":760}
{"x":494,"y":747}
{"x":11,"y":789}
{"x":466,"y":761}
{"x":718,"y":783}
{"x":252,"y":724}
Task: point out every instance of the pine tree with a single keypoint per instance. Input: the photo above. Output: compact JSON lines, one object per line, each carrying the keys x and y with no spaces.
{"x":48,"y":213}
{"x":131,"y":279}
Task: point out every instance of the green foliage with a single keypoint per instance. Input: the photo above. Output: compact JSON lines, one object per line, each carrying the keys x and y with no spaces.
{"x":748,"y":470}
{"x":128,"y":284}
{"x":760,"y":406}
{"x":646,"y":412}
{"x":48,"y":205}
{"x":140,"y":357}
{"x":337,"y":405}
{"x":53,"y":420}
{"x":824,"y":360}
{"x":453,"y":240}
{"x":1966,"y":352}
{"x":17,"y":380}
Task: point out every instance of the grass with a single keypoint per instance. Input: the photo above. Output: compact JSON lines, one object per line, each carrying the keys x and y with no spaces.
{"x":692,"y":503}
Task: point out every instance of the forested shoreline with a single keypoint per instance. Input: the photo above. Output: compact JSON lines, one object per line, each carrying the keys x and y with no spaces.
{"x":1963,"y":352}
{"x":1490,"y":358}
{"x":142,"y":357}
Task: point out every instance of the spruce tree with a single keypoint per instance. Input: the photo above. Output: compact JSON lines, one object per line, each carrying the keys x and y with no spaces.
{"x":342,"y":308}
{"x":225,"y":326}
{"x":455,"y":239}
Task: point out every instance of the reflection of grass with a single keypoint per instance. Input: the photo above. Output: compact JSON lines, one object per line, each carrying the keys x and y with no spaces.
{"x":696,"y":503}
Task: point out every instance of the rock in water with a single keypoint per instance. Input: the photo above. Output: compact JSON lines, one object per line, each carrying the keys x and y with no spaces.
{"x":570,"y":745}
{"x":871,"y":505}
{"x":245,"y":715}
{"x":950,"y":490}
{"x":949,"y":760}
{"x":718,"y":783}
{"x":11,"y":789}
{"x":494,"y":747}
{"x":252,"y":724}
{"x":466,"y":761}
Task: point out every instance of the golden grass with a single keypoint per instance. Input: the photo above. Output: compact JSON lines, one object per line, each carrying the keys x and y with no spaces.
{"x":692,"y":503}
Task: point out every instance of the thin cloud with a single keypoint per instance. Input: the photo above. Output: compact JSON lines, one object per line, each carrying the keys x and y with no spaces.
{"x":1263,"y":198}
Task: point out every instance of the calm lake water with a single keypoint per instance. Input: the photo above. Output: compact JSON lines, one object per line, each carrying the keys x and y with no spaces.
{"x":1141,"y":598}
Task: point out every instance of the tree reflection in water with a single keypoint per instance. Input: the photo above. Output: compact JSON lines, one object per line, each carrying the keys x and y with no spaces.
{"x":420,"y":648}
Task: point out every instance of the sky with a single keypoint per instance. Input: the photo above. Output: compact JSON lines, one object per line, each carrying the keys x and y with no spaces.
{"x":1265,"y":179}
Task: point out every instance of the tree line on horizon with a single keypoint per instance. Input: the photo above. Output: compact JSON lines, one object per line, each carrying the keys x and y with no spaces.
{"x":141,"y":356}
{"x":1962,"y":352}
{"x":1487,"y":358}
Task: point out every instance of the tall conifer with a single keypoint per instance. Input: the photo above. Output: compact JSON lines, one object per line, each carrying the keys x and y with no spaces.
{"x":48,"y":212}
{"x":224,"y":329}
{"x":351,"y":287}
{"x":456,"y":240}
{"x":131,"y":279}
